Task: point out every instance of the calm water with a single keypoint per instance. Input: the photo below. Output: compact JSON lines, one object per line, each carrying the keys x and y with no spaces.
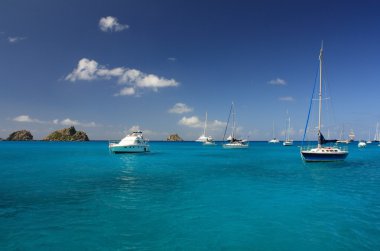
{"x":183,"y":196}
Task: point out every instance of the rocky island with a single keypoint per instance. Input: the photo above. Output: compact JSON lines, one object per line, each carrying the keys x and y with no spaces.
{"x":67,"y":134}
{"x":174,"y":137}
{"x":22,"y":135}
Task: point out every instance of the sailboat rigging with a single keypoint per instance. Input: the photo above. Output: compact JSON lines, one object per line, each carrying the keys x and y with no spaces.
{"x":206,"y":140}
{"x":233,"y":141}
{"x":322,"y":153}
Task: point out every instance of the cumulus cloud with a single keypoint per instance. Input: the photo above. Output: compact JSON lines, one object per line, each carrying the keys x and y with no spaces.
{"x":86,"y":70}
{"x":192,"y":121}
{"x":195,"y":122}
{"x":126,"y":91}
{"x":111,"y":24}
{"x":91,"y":70}
{"x":26,"y":119}
{"x":277,"y":81}
{"x":71,"y":122}
{"x":13,"y":40}
{"x":286,"y":98}
{"x":180,"y":108}
{"x":64,"y":122}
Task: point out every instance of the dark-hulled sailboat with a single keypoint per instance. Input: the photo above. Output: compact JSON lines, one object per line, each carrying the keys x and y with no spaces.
{"x":322,"y":153}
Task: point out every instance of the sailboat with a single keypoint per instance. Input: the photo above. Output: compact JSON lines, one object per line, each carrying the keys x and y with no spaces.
{"x":233,"y":141}
{"x":274,"y":140}
{"x":322,"y":153}
{"x":206,"y":140}
{"x":376,"y":138}
{"x":341,"y":140}
{"x":369,"y":137}
{"x":351,"y":135}
{"x":288,"y":141}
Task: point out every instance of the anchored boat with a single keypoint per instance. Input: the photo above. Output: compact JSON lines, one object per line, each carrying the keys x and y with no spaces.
{"x":132,"y":143}
{"x":320,"y":152}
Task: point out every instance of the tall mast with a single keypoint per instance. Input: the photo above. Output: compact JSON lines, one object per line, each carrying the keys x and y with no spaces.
{"x":273,"y":129}
{"x":320,"y":93}
{"x":233,"y":119}
{"x":204,"y":130}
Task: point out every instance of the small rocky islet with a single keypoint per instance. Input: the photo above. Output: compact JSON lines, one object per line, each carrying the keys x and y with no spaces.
{"x":22,"y":135}
{"x":67,"y":134}
{"x":174,"y":137}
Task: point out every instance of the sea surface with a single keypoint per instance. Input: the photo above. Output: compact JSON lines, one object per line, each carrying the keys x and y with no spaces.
{"x":185,"y":196}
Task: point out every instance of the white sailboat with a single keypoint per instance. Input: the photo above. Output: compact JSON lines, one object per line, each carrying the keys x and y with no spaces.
{"x":341,"y":140}
{"x":274,"y":140}
{"x":376,"y":138}
{"x":351,"y":135}
{"x":362,"y":144}
{"x":233,"y":141}
{"x":288,"y":141}
{"x":322,"y":153}
{"x":206,"y":140}
{"x":369,"y":137}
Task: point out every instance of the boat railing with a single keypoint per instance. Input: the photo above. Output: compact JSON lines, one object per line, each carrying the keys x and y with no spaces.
{"x":113,"y":142}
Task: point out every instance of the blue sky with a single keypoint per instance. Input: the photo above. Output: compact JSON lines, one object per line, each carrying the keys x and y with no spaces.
{"x":109,"y":66}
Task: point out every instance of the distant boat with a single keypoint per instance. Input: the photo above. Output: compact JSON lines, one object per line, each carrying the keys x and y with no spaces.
{"x":274,"y":140}
{"x":362,"y":144}
{"x":322,"y":153}
{"x":233,"y":141}
{"x":206,"y":140}
{"x":132,"y":143}
{"x":341,"y":140}
{"x":351,"y":135}
{"x":376,"y":138}
{"x":288,"y":141}
{"x":209,"y":142}
{"x":369,"y":137}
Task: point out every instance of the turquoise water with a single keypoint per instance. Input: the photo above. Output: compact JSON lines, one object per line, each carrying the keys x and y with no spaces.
{"x":183,"y":196}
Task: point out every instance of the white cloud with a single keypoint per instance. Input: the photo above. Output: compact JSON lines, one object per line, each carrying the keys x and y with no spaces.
{"x":286,"y":98}
{"x":64,"y":122}
{"x":172,"y":59}
{"x":111,"y":24}
{"x":26,"y":119}
{"x":277,"y":81}
{"x":216,"y":125}
{"x":90,"y":70}
{"x":13,"y":40}
{"x":86,"y":70}
{"x":126,"y":91}
{"x":195,"y":122}
{"x":152,"y":81}
{"x":191,"y":122}
{"x":70,"y":122}
{"x":180,"y":108}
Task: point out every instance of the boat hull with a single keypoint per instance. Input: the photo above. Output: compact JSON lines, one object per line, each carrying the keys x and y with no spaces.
{"x":235,"y":146}
{"x":287,"y":143}
{"x":309,"y":156}
{"x":209,"y":143}
{"x":129,"y":149}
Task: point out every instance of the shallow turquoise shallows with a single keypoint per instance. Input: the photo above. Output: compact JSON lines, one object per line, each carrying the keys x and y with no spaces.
{"x":184,"y":196}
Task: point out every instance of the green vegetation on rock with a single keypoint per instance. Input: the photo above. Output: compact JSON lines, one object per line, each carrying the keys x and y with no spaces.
{"x":174,"y":137}
{"x":22,"y":135}
{"x":67,"y":134}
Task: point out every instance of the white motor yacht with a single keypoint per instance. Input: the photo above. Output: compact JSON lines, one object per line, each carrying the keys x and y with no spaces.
{"x":132,"y":143}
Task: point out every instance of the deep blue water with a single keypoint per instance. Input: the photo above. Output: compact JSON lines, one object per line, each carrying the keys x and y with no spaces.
{"x":184,"y":196}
